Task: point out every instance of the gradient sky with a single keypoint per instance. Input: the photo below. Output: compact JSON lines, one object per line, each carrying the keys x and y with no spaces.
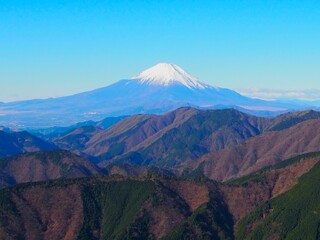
{"x":52,"y":48}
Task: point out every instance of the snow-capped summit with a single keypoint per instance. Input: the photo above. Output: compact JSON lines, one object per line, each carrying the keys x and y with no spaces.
{"x":159,"y":89}
{"x":167,"y":74}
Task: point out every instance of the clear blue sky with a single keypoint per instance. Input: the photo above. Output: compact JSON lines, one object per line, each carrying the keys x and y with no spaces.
{"x":52,"y":48}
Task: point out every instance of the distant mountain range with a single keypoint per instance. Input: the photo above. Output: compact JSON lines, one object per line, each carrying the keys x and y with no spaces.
{"x":220,"y":144}
{"x":186,"y":174}
{"x":12,"y":143}
{"x":159,"y":89}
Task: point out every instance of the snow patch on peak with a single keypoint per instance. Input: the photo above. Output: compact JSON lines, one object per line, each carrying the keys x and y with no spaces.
{"x":167,"y":74}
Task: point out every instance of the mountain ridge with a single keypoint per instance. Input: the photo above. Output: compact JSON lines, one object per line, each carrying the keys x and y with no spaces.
{"x":12,"y":143}
{"x":44,"y":165}
{"x":187,"y":139}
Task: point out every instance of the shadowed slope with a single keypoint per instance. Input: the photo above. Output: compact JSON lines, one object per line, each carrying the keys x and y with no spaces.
{"x":18,"y":142}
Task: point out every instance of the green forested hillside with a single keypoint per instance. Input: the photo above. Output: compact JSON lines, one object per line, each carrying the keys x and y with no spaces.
{"x":112,"y":208}
{"x":293,"y":215}
{"x":266,"y":205}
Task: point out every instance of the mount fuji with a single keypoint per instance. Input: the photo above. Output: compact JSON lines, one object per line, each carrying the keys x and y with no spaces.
{"x":158,"y":89}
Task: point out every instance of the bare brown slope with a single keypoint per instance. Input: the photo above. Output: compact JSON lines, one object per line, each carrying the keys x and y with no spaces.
{"x":188,"y":139}
{"x":194,"y":139}
{"x":250,"y":191}
{"x":43,"y":213}
{"x":171,"y":139}
{"x":134,"y":130}
{"x":41,"y":166}
{"x":290,"y":119}
{"x":266,"y":149}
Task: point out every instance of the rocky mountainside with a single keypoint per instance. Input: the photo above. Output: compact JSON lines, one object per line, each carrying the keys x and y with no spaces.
{"x":154,"y":207}
{"x":42,"y":166}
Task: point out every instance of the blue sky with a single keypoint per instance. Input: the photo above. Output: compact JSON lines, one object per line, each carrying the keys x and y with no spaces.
{"x":52,"y":48}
